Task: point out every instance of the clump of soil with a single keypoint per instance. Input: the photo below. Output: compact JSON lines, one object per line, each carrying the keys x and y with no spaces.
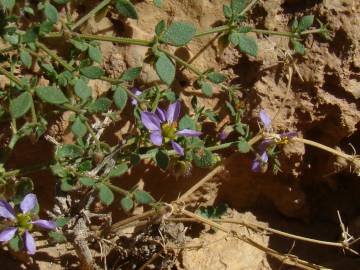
{"x":322,"y":105}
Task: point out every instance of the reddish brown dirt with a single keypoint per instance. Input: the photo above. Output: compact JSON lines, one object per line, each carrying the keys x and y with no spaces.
{"x":304,"y":198}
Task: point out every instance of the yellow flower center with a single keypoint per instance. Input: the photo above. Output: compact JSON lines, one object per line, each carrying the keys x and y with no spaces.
{"x":23,"y":221}
{"x":168,"y":131}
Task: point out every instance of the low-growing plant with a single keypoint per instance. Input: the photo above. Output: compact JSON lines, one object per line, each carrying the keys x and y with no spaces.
{"x":171,"y":139}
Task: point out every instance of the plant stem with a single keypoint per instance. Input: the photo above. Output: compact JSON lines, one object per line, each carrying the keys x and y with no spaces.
{"x":116,"y":189}
{"x":120,"y":40}
{"x":182,"y":62}
{"x":271,"y":32}
{"x":313,"y":31}
{"x":95,"y":10}
{"x":325,"y":148}
{"x":93,"y":135}
{"x":11,"y":77}
{"x":219,"y":29}
{"x":55,"y":56}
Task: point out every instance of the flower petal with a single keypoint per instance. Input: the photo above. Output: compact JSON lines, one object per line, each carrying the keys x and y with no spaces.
{"x":264,"y":157}
{"x":47,"y":224}
{"x":29,"y":243}
{"x":7,"y":234}
{"x":173,"y":112}
{"x":265,"y":119}
{"x":161,"y":114}
{"x":177,"y":148}
{"x":6,"y":210}
{"x":28,"y":203}
{"x":264,"y":144}
{"x":188,"y":133}
{"x":255,"y":166}
{"x":156,"y":138}
{"x":136,"y":92}
{"x":151,"y":121}
{"x":288,"y":135}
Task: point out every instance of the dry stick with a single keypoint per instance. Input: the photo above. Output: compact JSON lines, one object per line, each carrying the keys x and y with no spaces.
{"x":287,"y":235}
{"x":327,"y":149}
{"x":286,"y":259}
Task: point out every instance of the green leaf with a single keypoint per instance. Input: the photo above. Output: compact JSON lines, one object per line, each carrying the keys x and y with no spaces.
{"x":131,"y":74}
{"x":298,"y":46}
{"x":162,"y":160}
{"x":45,"y":27}
{"x":203,"y":158}
{"x":62,"y":221}
{"x":82,"y":90}
{"x":79,"y":128}
{"x":212,"y":212}
{"x":227,"y":11}
{"x":92,"y":72}
{"x":165,"y":68}
{"x":57,"y":237}
{"x":51,"y":13}
{"x":69,"y":151}
{"x":66,"y":185}
{"x":8,"y":4}
{"x":238,"y":6}
{"x":135,"y":159}
{"x":160,"y":27}
{"x":51,"y":95}
{"x":158,"y":3}
{"x":127,"y":203}
{"x":143,"y":197}
{"x":20,"y":105}
{"x":187,"y":122}
{"x":25,"y":58}
{"x":247,"y":44}
{"x":179,"y":33}
{"x":126,"y":9}
{"x":61,"y":2}
{"x":243,"y":146}
{"x":118,"y":170}
{"x":87,"y":181}
{"x":95,"y":54}
{"x":305,"y":23}
{"x":294,"y":25}
{"x":15,"y":243}
{"x":105,"y":194}
{"x":120,"y":98}
{"x":206,"y":88}
{"x":100,"y":105}
{"x":79,"y":44}
{"x":216,"y":77}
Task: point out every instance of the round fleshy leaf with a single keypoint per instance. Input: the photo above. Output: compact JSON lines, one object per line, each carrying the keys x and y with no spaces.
{"x":6,"y":210}
{"x":7,"y":234}
{"x":28,"y":203}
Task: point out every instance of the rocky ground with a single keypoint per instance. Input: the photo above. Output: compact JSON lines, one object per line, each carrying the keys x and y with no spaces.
{"x":322,"y":105}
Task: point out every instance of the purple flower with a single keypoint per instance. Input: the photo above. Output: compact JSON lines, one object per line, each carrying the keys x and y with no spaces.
{"x":262,"y":158}
{"x":259,"y":162}
{"x":265,"y":119}
{"x":225,"y":133}
{"x":163,"y":126}
{"x":23,"y":222}
{"x":136,"y":92}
